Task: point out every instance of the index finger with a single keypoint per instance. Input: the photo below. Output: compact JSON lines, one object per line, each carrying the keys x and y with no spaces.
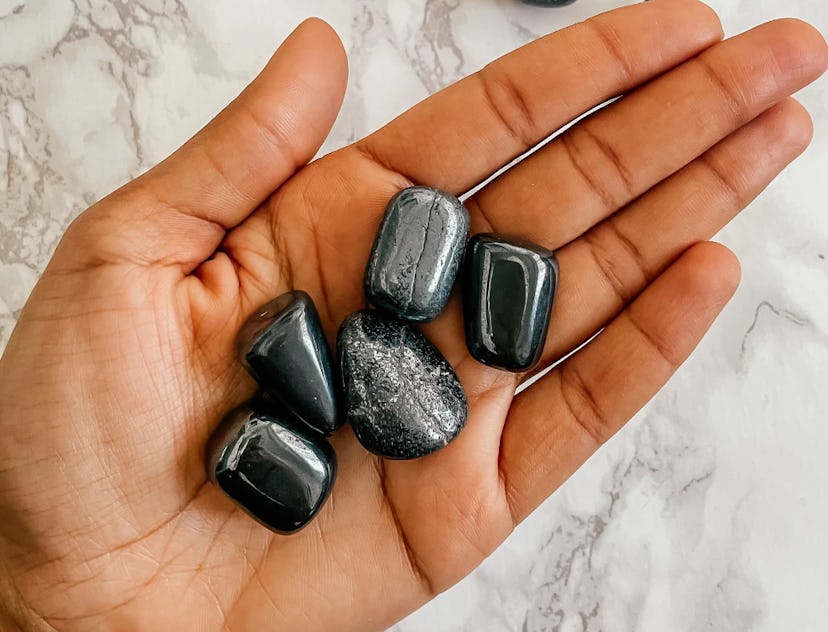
{"x":461,"y":135}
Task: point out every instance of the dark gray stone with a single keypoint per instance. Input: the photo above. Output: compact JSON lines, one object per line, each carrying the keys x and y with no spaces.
{"x":508,"y":291}
{"x":416,"y":254}
{"x":403,"y":399}
{"x":279,"y":472}
{"x":283,"y":347}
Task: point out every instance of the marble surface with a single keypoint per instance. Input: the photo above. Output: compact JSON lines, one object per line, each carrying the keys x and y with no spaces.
{"x":707,"y":512}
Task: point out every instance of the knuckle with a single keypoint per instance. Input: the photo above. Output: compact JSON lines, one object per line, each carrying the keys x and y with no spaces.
{"x":610,"y":268}
{"x":602,"y":31}
{"x":508,"y":103}
{"x":600,"y":166}
{"x":732,"y":97}
{"x":583,"y":406}
{"x":662,"y":348}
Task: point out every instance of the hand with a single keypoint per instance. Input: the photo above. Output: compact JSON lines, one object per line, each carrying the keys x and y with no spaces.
{"x":122,"y":362}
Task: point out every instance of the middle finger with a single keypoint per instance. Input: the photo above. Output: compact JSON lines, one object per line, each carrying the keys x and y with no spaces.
{"x":623,"y":150}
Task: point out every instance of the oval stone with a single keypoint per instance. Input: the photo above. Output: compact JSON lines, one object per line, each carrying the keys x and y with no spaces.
{"x":416,"y":253}
{"x":283,"y":347}
{"x":508,"y":290}
{"x":278,"y":472}
{"x":402,"y":397}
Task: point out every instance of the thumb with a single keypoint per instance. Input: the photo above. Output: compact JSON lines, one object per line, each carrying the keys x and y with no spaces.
{"x":178,"y":212}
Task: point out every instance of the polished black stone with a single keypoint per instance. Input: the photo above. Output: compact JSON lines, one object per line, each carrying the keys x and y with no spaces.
{"x":508,"y":291}
{"x":279,"y":472}
{"x":283,"y":347}
{"x":417,"y":253}
{"x":403,"y":398}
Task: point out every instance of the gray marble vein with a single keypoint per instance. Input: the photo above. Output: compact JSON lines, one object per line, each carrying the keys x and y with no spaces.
{"x":707,"y":512}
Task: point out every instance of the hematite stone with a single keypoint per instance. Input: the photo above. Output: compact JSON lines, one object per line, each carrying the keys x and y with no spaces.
{"x":284,"y":349}
{"x":278,"y":472}
{"x":508,"y":291}
{"x":403,"y":398}
{"x":416,"y":254}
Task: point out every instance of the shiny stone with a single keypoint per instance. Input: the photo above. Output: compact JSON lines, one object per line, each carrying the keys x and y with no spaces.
{"x":417,"y":253}
{"x":403,"y":398}
{"x":278,"y":472}
{"x":508,"y":291}
{"x":284,"y":349}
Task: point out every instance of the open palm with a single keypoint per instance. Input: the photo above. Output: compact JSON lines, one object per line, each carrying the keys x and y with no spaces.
{"x":123,"y":360}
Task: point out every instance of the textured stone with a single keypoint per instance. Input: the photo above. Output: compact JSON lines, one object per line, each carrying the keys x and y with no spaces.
{"x":508,"y":291}
{"x":417,"y":253}
{"x":279,"y":472}
{"x":283,"y":347}
{"x":403,"y":399}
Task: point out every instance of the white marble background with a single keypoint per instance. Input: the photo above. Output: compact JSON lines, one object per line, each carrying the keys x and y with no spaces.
{"x":708,"y":512}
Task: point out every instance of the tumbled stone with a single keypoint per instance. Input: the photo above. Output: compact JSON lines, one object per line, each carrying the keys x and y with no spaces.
{"x":283,"y":347}
{"x":508,"y":291}
{"x":279,"y":472}
{"x":416,"y":253}
{"x":402,"y":397}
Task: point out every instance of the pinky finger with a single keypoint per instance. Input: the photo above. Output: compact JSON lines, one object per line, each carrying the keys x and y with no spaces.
{"x":555,"y":425}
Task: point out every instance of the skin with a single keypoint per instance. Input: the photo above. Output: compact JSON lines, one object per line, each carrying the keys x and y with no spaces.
{"x":122,"y":361}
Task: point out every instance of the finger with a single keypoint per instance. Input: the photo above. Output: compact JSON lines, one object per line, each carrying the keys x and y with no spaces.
{"x":614,"y":261}
{"x":463,"y":134}
{"x":555,"y":425}
{"x":617,"y":154}
{"x":178,"y":212}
